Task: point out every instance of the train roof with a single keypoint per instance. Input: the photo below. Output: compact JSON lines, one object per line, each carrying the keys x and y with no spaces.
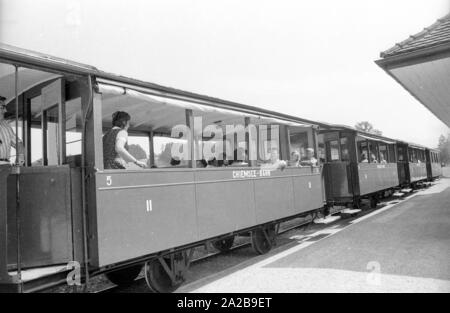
{"x":34,"y":59}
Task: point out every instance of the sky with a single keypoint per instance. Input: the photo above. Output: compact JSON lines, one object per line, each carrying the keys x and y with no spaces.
{"x":311,"y":59}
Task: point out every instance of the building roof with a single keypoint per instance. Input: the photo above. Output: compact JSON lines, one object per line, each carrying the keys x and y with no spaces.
{"x":434,"y":35}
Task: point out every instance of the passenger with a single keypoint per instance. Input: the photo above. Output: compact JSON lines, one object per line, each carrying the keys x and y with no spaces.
{"x":274,"y":161}
{"x":364,"y":158}
{"x":373,"y":158}
{"x":175,"y":161}
{"x":382,"y":159}
{"x":295,"y":159}
{"x":309,"y":160}
{"x":202,"y":163}
{"x":7,"y":138}
{"x":212,"y":163}
{"x":115,"y":143}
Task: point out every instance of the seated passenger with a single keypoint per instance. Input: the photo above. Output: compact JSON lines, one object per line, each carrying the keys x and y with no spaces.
{"x":274,"y":161}
{"x":364,"y":158}
{"x":382,"y":159}
{"x":115,"y":144}
{"x":175,"y":161}
{"x":373,"y":158}
{"x":295,"y":159}
{"x":309,"y":160}
{"x":212,"y":163}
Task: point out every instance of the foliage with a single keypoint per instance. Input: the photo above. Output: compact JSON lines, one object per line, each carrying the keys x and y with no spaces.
{"x":444,"y":148}
{"x":367,"y":127}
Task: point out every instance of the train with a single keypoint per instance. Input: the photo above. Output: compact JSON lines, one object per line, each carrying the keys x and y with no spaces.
{"x":65,"y":218}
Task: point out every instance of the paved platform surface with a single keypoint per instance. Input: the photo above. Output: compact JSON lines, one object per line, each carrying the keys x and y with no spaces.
{"x":402,"y":247}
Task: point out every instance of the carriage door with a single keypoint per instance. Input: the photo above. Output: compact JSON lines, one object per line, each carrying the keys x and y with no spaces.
{"x":44,"y":186}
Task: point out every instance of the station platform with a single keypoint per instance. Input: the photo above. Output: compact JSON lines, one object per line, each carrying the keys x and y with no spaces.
{"x":401,"y":247}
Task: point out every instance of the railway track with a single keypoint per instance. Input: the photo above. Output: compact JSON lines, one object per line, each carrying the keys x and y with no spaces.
{"x":114,"y":288}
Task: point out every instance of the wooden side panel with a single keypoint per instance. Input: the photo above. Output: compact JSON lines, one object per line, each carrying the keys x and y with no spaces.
{"x":144,"y":212}
{"x":223,"y":205}
{"x":418,"y":171}
{"x":377,"y":177}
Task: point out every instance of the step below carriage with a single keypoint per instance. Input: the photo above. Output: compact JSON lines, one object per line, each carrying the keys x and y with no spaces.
{"x":64,"y":218}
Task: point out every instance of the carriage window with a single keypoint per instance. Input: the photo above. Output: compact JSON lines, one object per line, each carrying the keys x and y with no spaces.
{"x":12,"y":124}
{"x":363,"y":152}
{"x":383,"y":152}
{"x":139,"y":147}
{"x":344,"y":149}
{"x":36,"y":132}
{"x":373,"y":157}
{"x":421,"y":156}
{"x":401,"y":154}
{"x":333,"y":150}
{"x":150,"y":115}
{"x":321,"y":152}
{"x":300,"y":141}
{"x":73,"y":127}
{"x":7,"y":91}
{"x":412,"y":155}
{"x":220,"y":139}
{"x":166,"y":151}
{"x":391,"y":153}
{"x":51,"y":121}
{"x":268,"y":140}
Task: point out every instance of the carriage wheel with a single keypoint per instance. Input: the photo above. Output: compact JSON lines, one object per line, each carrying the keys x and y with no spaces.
{"x":166,"y":274}
{"x":224,"y":245}
{"x":157,"y":278}
{"x":124,"y":277}
{"x":263,"y":239}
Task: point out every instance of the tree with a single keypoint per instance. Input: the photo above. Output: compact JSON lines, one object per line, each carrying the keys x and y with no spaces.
{"x":444,"y":148}
{"x":365,"y":126}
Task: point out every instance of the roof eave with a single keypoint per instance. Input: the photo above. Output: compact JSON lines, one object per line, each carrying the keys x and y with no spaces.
{"x":415,"y":56}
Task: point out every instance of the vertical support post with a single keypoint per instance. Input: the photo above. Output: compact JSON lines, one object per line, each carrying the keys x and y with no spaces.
{"x":27,"y":129}
{"x":247,"y":141}
{"x":94,"y":144}
{"x":17,"y":176}
{"x":315,"y":143}
{"x":284,"y":143}
{"x":192,"y":139}
{"x":62,"y":123}
{"x":152,"y":148}
{"x":16,"y":91}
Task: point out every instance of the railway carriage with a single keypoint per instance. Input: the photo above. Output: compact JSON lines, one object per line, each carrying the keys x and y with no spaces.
{"x":434,"y":168}
{"x":415,"y":161}
{"x":62,"y":211}
{"x":357,"y":165}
